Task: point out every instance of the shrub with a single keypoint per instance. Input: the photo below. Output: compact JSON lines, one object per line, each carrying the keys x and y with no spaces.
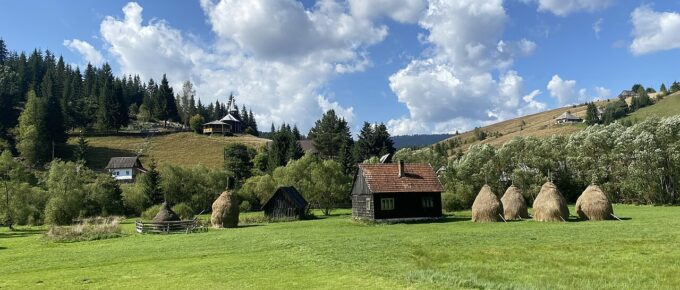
{"x":151,"y":212}
{"x":98,"y":228}
{"x":134,"y":199}
{"x":245,"y":206}
{"x":184,"y":211}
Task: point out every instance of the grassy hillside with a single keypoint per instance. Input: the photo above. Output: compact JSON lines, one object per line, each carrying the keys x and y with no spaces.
{"x":184,"y":148}
{"x":668,"y":106}
{"x":543,"y":124}
{"x":639,"y":252}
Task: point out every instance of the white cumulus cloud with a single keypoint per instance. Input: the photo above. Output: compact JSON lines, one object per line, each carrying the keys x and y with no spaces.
{"x":566,"y":92}
{"x":566,"y":7}
{"x":654,"y":31}
{"x":276,"y":56}
{"x":86,"y":50}
{"x":454,"y":86}
{"x":405,"y":11}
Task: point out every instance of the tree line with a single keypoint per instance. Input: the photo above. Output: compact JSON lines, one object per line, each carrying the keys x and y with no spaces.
{"x":633,"y":164}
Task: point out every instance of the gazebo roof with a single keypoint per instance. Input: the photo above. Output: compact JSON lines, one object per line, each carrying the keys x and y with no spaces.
{"x":229,"y":117}
{"x":215,"y":123}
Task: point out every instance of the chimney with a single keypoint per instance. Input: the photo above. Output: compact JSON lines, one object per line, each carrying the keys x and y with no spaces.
{"x":402,"y":171}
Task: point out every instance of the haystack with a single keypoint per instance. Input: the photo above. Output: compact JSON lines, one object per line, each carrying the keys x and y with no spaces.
{"x":225,"y":211}
{"x":550,"y":205}
{"x":165,"y":214}
{"x":487,"y":207}
{"x":594,"y":205}
{"x":514,"y":205}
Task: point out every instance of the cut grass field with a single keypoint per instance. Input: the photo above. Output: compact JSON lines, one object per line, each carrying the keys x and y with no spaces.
{"x":185,"y":148}
{"x":639,"y":252}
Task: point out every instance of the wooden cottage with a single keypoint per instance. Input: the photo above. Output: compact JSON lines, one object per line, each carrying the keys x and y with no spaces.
{"x":125,"y":168}
{"x":396,"y":191}
{"x":286,"y":203}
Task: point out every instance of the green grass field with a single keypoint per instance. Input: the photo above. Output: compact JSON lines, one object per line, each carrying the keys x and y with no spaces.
{"x":186,"y":148}
{"x":337,"y":253}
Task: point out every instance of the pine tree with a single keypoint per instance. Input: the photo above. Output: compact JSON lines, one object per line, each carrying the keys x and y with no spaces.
{"x":383,"y":141}
{"x":150,"y":184}
{"x":54,"y":120}
{"x":253,"y":124}
{"x":9,"y":97}
{"x":167,"y":100}
{"x":591,"y":115}
{"x":663,"y":89}
{"x":364,"y":146}
{"x":273,"y":129}
{"x":329,"y":134}
{"x":80,"y":152}
{"x":3,"y":52}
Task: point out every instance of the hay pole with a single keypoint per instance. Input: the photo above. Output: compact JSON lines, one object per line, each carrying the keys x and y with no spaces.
{"x":563,"y":219}
{"x":500,"y":215}
{"x":615,"y":217}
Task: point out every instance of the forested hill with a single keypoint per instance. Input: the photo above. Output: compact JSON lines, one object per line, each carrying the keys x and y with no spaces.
{"x":419,"y":140}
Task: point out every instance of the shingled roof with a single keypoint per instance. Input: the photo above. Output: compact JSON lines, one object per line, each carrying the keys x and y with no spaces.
{"x":385,"y":178}
{"x":124,"y":162}
{"x":289,"y":193}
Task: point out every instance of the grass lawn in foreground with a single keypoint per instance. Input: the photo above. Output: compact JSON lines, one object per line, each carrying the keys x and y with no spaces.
{"x":337,"y":253}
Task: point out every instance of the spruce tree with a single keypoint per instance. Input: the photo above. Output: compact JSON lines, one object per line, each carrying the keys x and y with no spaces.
{"x":150,"y":183}
{"x":363,"y":148}
{"x":54,"y":119}
{"x":253,"y":124}
{"x":591,"y":114}
{"x":167,"y":100}
{"x":3,"y":52}
{"x":383,"y":141}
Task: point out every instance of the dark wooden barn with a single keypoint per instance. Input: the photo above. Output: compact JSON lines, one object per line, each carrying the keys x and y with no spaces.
{"x":286,"y":203}
{"x":396,"y":191}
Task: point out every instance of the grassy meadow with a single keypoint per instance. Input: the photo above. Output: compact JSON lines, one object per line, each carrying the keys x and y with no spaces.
{"x":338,"y":253}
{"x":185,"y":148}
{"x":668,"y":106}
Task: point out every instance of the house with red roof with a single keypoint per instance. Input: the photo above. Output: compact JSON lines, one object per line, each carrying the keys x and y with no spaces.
{"x":396,"y":192}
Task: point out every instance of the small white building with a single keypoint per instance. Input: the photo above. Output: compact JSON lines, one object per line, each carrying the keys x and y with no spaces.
{"x":125,"y":168}
{"x":567,"y":118}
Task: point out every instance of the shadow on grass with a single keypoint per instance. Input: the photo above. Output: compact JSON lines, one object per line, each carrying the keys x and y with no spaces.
{"x":98,"y":157}
{"x":3,"y":248}
{"x":20,"y":233}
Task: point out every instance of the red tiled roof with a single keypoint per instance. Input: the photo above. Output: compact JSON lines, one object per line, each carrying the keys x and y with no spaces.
{"x":385,"y":178}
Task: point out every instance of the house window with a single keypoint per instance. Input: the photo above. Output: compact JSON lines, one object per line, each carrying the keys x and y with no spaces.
{"x":127,"y":172}
{"x":386,"y":203}
{"x":428,"y":202}
{"x":368,"y":204}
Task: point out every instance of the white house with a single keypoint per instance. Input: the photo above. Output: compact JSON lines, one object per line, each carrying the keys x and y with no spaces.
{"x":125,"y":168}
{"x":567,"y":118}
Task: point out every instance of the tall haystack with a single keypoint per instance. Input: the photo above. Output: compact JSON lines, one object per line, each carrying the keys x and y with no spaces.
{"x":514,"y":205}
{"x":594,"y":205}
{"x":225,"y":211}
{"x":487,"y":207}
{"x":550,"y":205}
{"x":165,"y":214}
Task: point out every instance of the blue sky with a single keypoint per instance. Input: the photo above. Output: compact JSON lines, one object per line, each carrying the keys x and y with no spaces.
{"x":419,"y":66}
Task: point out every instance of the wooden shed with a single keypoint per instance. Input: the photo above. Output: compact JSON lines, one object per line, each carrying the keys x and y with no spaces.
{"x":396,"y":192}
{"x":286,"y":203}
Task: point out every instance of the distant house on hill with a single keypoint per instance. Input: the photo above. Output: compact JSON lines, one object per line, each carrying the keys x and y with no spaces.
{"x":626,"y":94}
{"x":308,"y":146}
{"x":229,"y":124}
{"x":567,"y":118}
{"x":125,"y":168}
{"x":286,"y":203}
{"x":396,"y":191}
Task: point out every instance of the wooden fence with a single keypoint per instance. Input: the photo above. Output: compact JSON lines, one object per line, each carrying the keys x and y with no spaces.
{"x":167,"y":227}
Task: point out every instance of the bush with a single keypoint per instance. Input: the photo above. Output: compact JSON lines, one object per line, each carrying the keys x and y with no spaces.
{"x":89,"y":229}
{"x":245,"y":206}
{"x":184,"y":211}
{"x":151,"y":212}
{"x":134,"y":199}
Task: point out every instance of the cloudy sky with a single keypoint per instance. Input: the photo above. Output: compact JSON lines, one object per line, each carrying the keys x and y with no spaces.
{"x":419,"y":66}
